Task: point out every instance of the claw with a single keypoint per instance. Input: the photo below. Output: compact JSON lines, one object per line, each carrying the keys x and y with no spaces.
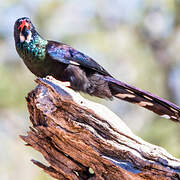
{"x":65,"y":83}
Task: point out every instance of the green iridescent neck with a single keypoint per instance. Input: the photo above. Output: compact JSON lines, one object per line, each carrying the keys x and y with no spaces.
{"x":33,"y":49}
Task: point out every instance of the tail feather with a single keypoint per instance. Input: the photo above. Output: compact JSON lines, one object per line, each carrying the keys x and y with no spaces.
{"x":144,"y":99}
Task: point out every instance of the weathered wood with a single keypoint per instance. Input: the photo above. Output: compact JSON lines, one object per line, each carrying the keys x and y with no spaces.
{"x":81,"y":139}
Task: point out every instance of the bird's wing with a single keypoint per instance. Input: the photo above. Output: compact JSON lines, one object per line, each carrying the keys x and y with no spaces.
{"x":67,"y":55}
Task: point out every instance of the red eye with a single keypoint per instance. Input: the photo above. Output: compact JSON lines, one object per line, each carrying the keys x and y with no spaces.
{"x":23,"y":23}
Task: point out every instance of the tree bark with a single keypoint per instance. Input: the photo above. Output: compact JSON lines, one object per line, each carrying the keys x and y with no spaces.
{"x":81,"y":139}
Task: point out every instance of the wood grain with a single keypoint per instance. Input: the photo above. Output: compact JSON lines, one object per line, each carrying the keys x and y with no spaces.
{"x":83,"y":140}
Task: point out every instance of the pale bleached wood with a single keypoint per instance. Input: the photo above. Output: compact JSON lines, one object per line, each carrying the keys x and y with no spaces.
{"x":81,"y":139}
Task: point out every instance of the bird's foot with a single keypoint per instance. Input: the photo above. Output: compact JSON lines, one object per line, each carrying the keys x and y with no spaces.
{"x":65,"y":83}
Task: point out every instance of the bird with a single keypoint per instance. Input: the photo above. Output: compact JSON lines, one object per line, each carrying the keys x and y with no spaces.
{"x":80,"y":72}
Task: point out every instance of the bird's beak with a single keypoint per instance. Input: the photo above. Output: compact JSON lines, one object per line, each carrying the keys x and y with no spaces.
{"x":23,"y":24}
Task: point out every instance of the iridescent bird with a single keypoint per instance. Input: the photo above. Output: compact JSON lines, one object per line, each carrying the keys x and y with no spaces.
{"x":66,"y":64}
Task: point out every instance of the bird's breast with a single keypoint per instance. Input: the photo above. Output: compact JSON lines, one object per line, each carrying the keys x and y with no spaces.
{"x":33,"y":57}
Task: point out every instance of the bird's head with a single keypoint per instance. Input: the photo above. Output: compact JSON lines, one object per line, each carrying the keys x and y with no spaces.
{"x":24,"y":30}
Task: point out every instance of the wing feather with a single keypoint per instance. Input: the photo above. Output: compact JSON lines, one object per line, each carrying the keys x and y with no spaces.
{"x":65,"y":54}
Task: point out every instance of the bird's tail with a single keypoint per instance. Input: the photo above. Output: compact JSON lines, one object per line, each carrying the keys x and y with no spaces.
{"x":144,"y":99}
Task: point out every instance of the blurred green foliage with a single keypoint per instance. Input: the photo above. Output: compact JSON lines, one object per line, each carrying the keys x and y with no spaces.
{"x":13,"y":87}
{"x":136,"y":41}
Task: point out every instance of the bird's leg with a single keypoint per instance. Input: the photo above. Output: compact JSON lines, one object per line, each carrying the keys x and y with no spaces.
{"x":65,"y":83}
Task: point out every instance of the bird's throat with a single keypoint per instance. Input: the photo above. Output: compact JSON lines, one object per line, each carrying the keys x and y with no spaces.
{"x":25,"y":38}
{"x":31,"y":48}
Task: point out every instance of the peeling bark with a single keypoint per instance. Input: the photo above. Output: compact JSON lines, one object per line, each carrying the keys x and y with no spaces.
{"x":83,"y":140}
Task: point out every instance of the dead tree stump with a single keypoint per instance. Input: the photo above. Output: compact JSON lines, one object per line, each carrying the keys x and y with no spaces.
{"x":84,"y":140}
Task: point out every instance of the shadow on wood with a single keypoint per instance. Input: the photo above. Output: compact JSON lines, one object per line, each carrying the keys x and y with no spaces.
{"x":81,"y":139}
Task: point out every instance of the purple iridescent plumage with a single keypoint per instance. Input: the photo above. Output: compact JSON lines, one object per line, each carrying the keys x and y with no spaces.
{"x":64,"y":63}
